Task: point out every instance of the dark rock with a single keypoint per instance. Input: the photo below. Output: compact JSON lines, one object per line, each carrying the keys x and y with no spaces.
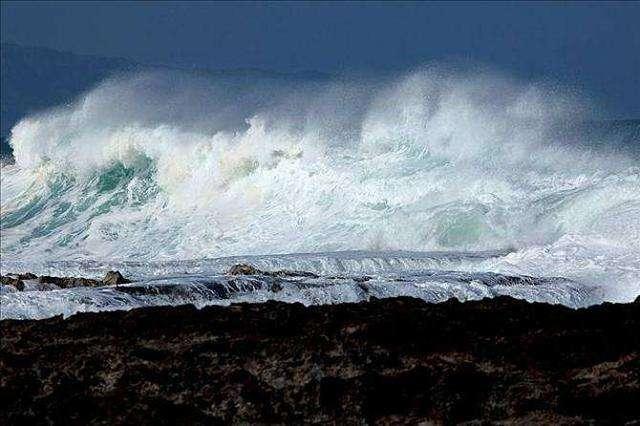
{"x":245,"y":269}
{"x":111,"y":278}
{"x":82,"y":282}
{"x":293,"y":274}
{"x":25,"y":276}
{"x":387,"y":361}
{"x":154,"y":290}
{"x":46,"y":279}
{"x":14,"y":282}
{"x":114,"y":278}
{"x":68,"y":282}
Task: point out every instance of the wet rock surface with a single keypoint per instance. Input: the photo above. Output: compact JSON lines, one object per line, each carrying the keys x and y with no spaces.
{"x":246,"y":269}
{"x":67,"y":282}
{"x":46,"y":282}
{"x":13,"y":281}
{"x":386,"y":361}
{"x":114,"y":278}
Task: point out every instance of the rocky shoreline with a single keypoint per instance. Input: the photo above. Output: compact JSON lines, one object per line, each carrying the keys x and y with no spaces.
{"x":31,"y":282}
{"x":385,"y":361}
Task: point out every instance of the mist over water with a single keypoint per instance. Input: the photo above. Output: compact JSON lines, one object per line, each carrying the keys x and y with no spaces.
{"x":166,"y":167}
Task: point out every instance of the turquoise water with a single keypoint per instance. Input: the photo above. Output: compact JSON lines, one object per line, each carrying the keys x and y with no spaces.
{"x":145,"y":169}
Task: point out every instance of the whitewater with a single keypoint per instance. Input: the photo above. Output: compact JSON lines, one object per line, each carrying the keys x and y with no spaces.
{"x":435,"y":184}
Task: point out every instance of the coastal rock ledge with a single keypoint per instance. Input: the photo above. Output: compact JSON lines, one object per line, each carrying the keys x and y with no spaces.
{"x":387,"y":361}
{"x":46,"y":282}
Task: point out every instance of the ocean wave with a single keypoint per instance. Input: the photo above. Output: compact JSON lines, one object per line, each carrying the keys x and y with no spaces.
{"x":168,"y":167}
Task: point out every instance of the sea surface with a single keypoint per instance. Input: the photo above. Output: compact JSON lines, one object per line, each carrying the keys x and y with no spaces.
{"x":434,"y":184}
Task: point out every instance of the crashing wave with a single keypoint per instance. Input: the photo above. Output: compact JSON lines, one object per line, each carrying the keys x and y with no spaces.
{"x":178,"y":168}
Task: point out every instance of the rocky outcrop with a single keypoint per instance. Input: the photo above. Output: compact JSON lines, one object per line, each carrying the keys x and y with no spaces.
{"x":245,"y":269}
{"x":26,"y":276}
{"x":46,"y":282}
{"x":67,"y":282}
{"x":12,"y":281}
{"x":114,"y":278}
{"x":386,"y":361}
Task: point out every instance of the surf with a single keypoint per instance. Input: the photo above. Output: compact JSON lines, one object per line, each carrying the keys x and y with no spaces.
{"x":162,"y":167}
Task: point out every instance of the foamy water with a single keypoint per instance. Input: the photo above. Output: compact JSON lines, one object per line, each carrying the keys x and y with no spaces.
{"x":154,"y":172}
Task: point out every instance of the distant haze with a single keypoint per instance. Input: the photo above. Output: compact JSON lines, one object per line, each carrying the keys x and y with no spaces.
{"x":592,"y":47}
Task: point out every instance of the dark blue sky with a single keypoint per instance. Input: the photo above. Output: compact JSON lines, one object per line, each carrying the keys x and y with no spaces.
{"x":594,"y":47}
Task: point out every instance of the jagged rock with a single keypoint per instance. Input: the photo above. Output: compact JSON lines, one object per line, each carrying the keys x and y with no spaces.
{"x":46,"y":279}
{"x":68,"y":282}
{"x":114,"y":278}
{"x":284,"y":274}
{"x":25,"y":276}
{"x":387,"y":361}
{"x":14,"y":282}
{"x":111,"y":278}
{"x":245,"y":269}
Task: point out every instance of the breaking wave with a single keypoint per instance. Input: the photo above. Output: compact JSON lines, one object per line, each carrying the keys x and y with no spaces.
{"x":175,"y":167}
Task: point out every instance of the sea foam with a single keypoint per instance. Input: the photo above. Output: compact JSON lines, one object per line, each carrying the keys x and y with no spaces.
{"x":170,"y":167}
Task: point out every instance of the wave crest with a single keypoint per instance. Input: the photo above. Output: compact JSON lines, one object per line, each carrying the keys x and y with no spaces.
{"x":170,"y":166}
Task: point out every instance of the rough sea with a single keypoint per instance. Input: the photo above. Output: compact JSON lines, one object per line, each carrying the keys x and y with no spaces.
{"x":433,"y":184}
